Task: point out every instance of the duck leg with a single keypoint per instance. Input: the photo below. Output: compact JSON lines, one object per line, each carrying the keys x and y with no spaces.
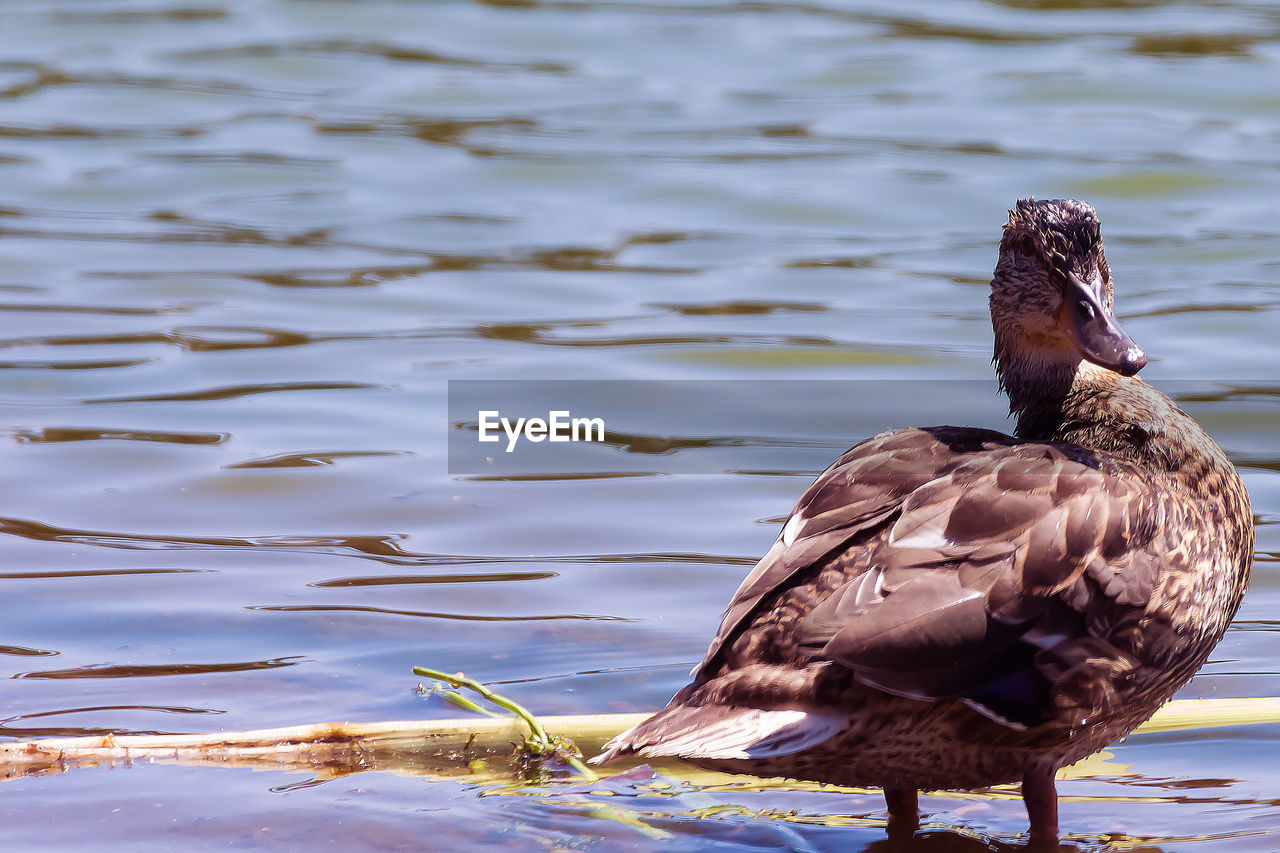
{"x":1041,"y":797}
{"x":904,"y":810}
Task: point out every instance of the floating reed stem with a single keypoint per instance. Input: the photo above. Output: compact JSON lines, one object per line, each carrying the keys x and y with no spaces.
{"x":478,"y":748}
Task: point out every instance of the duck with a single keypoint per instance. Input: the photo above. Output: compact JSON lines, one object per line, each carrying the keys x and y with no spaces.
{"x":951,"y":608}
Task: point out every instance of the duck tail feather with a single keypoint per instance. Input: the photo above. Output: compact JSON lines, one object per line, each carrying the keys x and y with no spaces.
{"x":725,"y":732}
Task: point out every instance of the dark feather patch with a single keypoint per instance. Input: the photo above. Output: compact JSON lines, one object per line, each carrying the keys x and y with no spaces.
{"x":928,"y":623}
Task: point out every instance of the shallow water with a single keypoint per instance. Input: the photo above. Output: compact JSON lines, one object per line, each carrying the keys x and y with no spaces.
{"x":244,"y":245}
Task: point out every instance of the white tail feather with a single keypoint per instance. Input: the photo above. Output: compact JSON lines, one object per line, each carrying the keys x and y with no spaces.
{"x":729,"y":733}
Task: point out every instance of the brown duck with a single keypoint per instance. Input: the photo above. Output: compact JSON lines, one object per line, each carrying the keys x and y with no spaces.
{"x":949,"y":607}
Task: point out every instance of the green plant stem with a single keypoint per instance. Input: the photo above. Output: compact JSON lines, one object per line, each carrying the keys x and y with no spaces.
{"x":457,"y":679}
{"x":538,"y":738}
{"x":455,"y":698}
{"x":581,"y":769}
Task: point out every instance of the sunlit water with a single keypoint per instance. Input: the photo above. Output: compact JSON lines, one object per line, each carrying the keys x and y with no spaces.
{"x":243,"y":245}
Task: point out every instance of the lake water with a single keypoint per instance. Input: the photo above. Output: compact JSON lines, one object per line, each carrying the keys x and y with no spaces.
{"x":245,"y":244}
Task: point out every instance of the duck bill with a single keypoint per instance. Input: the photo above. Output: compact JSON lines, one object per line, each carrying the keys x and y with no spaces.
{"x":1096,"y":332}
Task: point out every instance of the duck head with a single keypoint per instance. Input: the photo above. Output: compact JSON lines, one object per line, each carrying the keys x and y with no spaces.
{"x":1051,"y":301}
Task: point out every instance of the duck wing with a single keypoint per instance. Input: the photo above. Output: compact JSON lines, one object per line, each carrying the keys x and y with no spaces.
{"x":861,"y":489}
{"x":977,"y":566}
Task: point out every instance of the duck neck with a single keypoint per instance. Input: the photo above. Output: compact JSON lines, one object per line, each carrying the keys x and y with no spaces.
{"x":1046,"y":395}
{"x":1104,"y":411}
{"x":1040,"y":398}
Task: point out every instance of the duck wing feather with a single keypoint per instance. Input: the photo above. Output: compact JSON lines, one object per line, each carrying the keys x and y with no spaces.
{"x":977,"y":566}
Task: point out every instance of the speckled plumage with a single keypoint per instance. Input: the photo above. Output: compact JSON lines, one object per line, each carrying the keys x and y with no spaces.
{"x":956,"y":608}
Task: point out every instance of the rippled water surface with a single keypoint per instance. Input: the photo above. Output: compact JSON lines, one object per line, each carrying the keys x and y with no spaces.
{"x":245,"y":243}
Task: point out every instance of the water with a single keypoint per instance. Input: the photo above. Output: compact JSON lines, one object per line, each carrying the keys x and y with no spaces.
{"x":244,"y":245}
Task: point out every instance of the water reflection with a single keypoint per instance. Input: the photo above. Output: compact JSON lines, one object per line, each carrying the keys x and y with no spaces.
{"x":234,"y":391}
{"x":311,"y":459}
{"x":382,"y":50}
{"x":21,"y":651}
{"x":423,"y":614}
{"x":395,"y":580}
{"x":19,"y":726}
{"x":158,"y":670}
{"x":57,"y":435}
